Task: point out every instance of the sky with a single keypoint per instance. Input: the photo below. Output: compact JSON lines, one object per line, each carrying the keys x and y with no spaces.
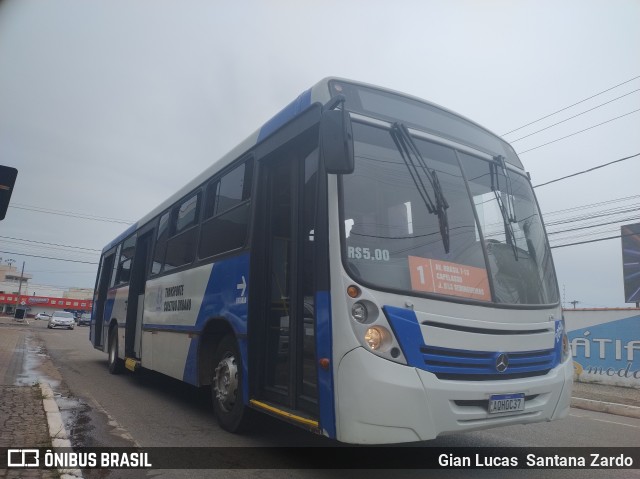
{"x":109,"y":107}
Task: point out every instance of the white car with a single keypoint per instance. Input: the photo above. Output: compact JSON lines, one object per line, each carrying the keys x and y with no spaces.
{"x":62,"y":319}
{"x":43,"y":316}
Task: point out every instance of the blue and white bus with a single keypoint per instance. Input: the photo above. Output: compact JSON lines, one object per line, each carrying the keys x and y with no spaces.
{"x":367,"y":265}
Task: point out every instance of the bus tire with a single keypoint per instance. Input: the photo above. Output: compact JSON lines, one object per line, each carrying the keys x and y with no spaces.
{"x":116,"y":365}
{"x":226,"y":387}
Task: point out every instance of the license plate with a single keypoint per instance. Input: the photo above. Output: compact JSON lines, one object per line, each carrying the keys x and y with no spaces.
{"x":501,"y":403}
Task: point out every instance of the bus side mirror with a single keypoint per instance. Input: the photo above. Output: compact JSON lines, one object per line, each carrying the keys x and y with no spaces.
{"x":336,"y":141}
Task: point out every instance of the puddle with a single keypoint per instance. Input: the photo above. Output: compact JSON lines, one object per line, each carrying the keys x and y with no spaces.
{"x":75,"y":416}
{"x":35,"y":362}
{"x":34,"y":356}
{"x":86,"y":426}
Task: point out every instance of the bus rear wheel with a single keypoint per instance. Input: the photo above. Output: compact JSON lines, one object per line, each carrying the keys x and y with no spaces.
{"x":226,"y":387}
{"x":116,"y":365}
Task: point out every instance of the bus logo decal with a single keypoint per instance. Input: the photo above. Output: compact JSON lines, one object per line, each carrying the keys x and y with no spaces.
{"x":242,"y":286}
{"x":502,"y":362}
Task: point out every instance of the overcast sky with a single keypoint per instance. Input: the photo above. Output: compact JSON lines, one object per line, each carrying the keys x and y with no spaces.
{"x":107,"y":108}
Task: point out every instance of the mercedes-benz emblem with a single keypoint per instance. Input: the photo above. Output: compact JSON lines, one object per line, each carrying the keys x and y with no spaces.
{"x":502,"y":362}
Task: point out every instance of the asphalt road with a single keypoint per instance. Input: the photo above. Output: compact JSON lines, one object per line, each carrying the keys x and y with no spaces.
{"x":151,"y":410}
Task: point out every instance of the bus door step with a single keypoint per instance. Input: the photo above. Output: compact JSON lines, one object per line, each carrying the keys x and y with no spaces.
{"x":132,"y":364}
{"x":292,"y":416}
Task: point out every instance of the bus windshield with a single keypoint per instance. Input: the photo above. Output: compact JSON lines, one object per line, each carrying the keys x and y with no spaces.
{"x":493,"y":249}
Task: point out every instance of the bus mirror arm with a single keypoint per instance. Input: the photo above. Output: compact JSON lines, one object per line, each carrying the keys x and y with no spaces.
{"x":336,"y":138}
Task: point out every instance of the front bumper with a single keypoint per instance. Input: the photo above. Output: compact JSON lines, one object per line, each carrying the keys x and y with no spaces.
{"x":379,"y":401}
{"x":65,"y":324}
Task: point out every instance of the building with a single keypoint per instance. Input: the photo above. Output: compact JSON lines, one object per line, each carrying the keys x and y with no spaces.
{"x":10,"y":279}
{"x":38,"y":298}
{"x":605,"y":343}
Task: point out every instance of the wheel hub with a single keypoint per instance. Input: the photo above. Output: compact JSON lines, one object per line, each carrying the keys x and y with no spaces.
{"x":225,"y":383}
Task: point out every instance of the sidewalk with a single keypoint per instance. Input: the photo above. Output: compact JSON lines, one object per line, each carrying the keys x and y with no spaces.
{"x":28,"y":418}
{"x":23,"y":420}
{"x":603,"y":398}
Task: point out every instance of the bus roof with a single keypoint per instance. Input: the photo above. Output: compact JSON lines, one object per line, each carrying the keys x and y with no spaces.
{"x":318,"y":93}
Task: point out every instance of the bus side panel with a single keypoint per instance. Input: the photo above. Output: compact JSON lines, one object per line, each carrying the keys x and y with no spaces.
{"x":225,"y":297}
{"x":171,"y":304}
{"x":178,"y":306}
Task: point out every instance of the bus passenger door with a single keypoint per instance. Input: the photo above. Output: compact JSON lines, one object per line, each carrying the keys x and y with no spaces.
{"x":135,"y":302}
{"x":102,"y":286}
{"x":286,"y":344}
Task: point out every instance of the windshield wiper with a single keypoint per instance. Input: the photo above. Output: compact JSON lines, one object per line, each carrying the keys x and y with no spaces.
{"x":508,"y":211}
{"x":418,"y":169}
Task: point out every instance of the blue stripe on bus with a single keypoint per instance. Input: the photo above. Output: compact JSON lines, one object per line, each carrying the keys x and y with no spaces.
{"x":559,"y":329}
{"x":288,"y":113}
{"x":221,"y":301}
{"x":463,"y":362}
{"x":108,"y":309}
{"x":325,"y":376}
{"x":404,"y":323}
{"x":106,"y":318}
{"x":178,"y":328}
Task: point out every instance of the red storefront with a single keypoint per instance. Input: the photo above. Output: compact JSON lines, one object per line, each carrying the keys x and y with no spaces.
{"x":40,"y":304}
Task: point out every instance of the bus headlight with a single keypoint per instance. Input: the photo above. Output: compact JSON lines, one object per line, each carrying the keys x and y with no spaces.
{"x":359,"y":312}
{"x":377,"y":338}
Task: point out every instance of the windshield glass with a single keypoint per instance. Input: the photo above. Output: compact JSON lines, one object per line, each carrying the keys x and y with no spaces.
{"x":393,"y":242}
{"x":422,"y":115}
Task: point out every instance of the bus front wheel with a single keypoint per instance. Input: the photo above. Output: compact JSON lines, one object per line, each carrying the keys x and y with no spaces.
{"x":226,"y":387}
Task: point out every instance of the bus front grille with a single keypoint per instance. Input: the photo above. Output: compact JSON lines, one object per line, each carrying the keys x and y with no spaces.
{"x":457,"y":364}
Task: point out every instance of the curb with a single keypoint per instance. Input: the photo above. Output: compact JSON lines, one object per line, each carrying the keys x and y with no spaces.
{"x":57,"y":431}
{"x":608,"y":407}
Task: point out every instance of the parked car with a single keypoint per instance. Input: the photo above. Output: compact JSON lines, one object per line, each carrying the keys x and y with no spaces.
{"x":62,"y":319}
{"x":43,"y":316}
{"x":85,"y":318}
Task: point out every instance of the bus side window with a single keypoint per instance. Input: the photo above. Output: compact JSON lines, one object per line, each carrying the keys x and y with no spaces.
{"x":161,"y":244}
{"x":124,"y":264}
{"x":226,"y":217}
{"x":181,"y":247}
{"x":116,"y":263}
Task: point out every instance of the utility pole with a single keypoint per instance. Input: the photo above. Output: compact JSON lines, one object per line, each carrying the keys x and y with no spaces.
{"x":574,"y":302}
{"x":19,"y":292}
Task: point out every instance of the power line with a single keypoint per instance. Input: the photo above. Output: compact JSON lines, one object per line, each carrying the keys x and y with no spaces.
{"x":566,"y":108}
{"x":38,"y":249}
{"x":572,"y":117}
{"x":38,"y":209}
{"x":624,"y":220}
{"x":597,"y":214}
{"x":52,"y":244}
{"x":591,"y":241}
{"x":592,"y":205}
{"x":587,"y":171}
{"x":49,"y":257}
{"x":587,"y":234}
{"x":62,"y":272}
{"x":581,"y":131}
{"x":601,"y":229}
